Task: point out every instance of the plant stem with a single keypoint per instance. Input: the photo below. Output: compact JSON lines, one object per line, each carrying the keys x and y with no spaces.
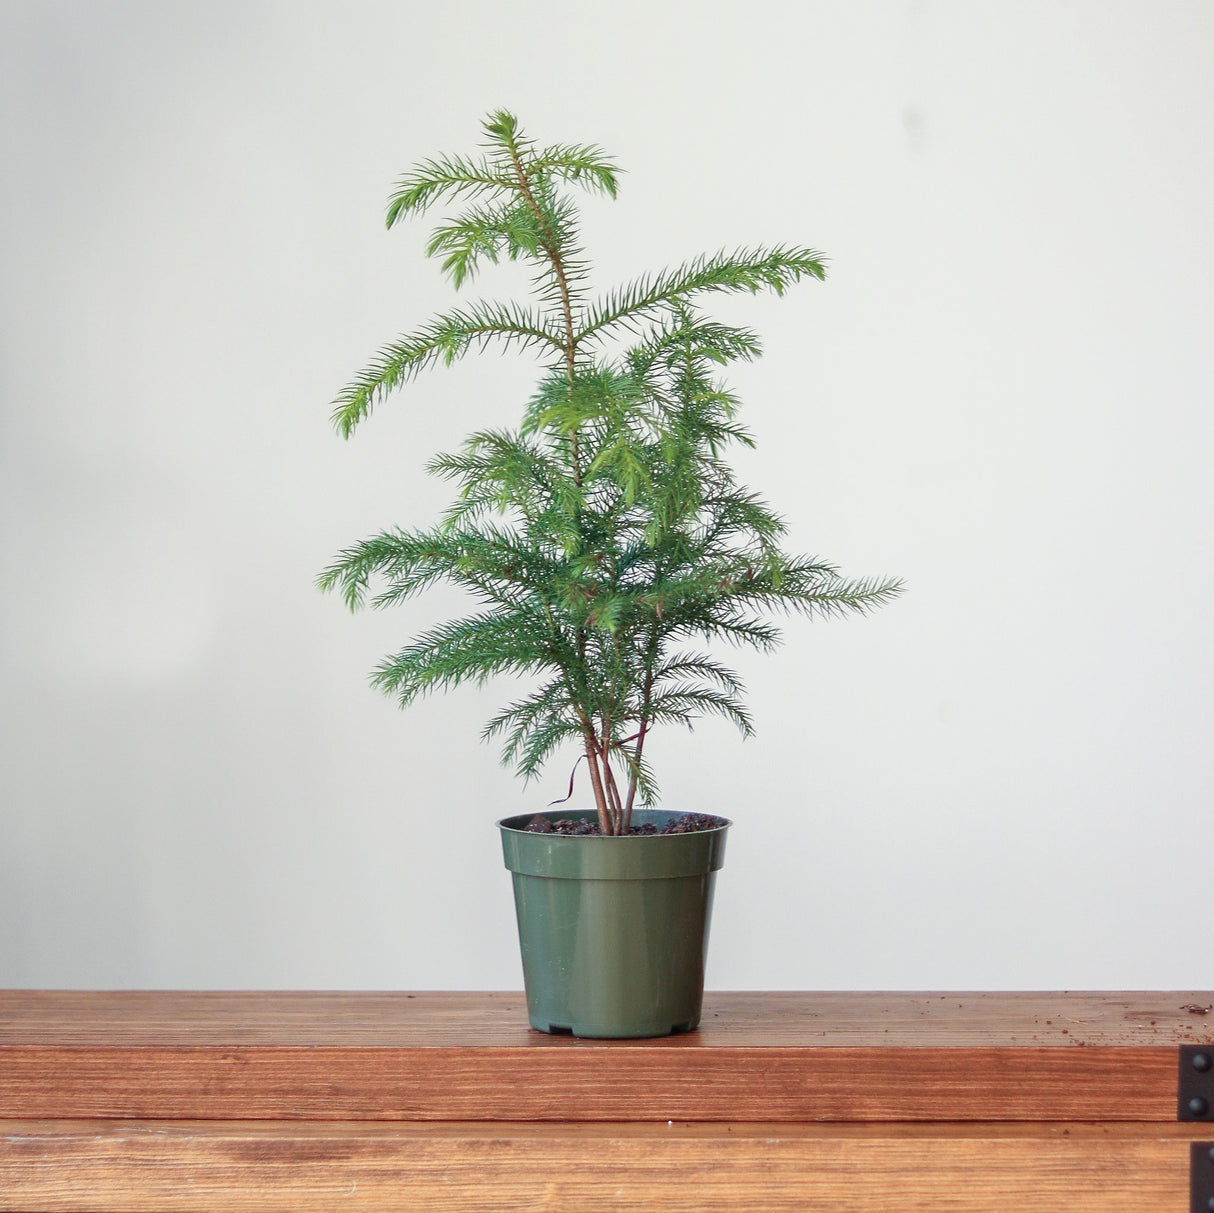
{"x":613,"y":791}
{"x":643,"y":724}
{"x":553,"y":252}
{"x":632,"y":781}
{"x":551,"y":247}
{"x":596,"y":782}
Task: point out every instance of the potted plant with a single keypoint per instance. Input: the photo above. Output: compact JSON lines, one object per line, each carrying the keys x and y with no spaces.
{"x":606,"y":542}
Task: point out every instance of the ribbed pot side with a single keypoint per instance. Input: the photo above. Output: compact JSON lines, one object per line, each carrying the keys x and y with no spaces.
{"x":613,"y":931}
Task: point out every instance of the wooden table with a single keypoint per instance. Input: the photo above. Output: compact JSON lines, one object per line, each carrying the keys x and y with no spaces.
{"x":835,"y":1103}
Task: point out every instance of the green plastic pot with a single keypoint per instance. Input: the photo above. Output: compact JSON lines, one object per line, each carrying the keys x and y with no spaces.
{"x":613,"y":931}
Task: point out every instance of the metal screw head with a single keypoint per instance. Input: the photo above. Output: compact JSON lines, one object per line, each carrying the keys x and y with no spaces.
{"x":1198,"y":1106}
{"x":1210,"y":1203}
{"x":1212,"y":1153}
{"x":1203,"y":1062}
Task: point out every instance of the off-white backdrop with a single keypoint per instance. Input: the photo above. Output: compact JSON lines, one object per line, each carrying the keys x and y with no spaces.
{"x":1002,"y":394}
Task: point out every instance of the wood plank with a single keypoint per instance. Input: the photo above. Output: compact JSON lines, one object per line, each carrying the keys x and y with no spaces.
{"x":775,"y":1057}
{"x":148,"y":1018}
{"x":622,"y":1083}
{"x":127,"y":1167}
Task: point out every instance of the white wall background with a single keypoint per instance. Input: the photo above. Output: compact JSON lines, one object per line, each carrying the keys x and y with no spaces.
{"x":1002,"y":394}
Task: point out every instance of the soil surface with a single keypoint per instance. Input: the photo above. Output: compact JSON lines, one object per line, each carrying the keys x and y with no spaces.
{"x":689,"y":823}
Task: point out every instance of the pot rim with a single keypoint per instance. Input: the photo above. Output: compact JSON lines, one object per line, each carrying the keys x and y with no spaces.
{"x":612,"y":857}
{"x":504,"y":823}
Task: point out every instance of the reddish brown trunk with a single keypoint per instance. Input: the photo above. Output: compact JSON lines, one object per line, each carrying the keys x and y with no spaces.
{"x":613,"y":793}
{"x":596,"y":782}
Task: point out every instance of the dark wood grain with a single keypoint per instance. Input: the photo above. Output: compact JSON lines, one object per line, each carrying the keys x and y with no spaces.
{"x":771,"y":1057}
{"x":130,"y":1167}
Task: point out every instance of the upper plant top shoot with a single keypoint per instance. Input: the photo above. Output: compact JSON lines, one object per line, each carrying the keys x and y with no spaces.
{"x":605,"y":535}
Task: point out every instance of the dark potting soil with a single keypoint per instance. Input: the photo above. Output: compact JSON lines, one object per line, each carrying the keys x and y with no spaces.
{"x":689,"y":823}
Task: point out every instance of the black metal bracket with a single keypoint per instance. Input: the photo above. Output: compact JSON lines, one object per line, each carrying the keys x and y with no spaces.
{"x":1195,"y":1090}
{"x":1201,"y":1177}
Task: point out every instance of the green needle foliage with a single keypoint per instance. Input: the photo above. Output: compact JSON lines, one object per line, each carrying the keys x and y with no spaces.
{"x":605,"y":539}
